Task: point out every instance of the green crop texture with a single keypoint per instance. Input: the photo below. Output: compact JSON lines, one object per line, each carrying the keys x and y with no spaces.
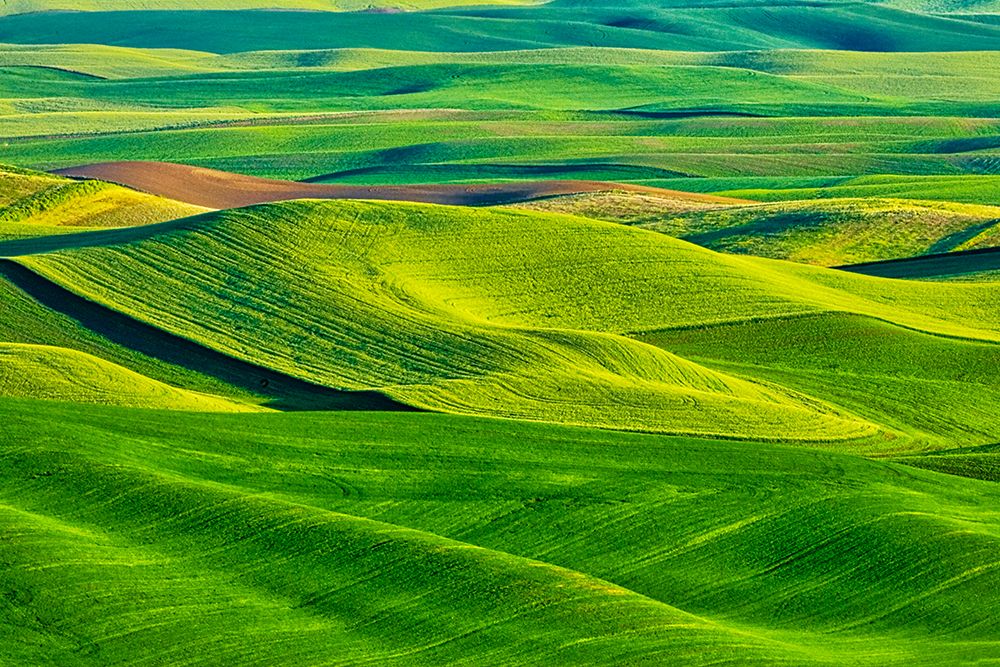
{"x":703,"y":370}
{"x":519,"y":315}
{"x":400,"y":539}
{"x":827,"y":232}
{"x":53,"y":373}
{"x":34,"y":204}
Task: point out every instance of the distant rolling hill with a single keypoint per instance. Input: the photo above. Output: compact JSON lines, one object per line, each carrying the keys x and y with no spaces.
{"x":827,"y":232}
{"x":689,"y":27}
{"x":365,"y":116}
{"x":824,"y":232}
{"x":970,"y":263}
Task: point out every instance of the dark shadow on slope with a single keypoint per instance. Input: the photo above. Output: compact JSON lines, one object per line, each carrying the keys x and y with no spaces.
{"x":982,"y":462}
{"x":966,"y":262}
{"x":283,"y":391}
{"x":955,"y":239}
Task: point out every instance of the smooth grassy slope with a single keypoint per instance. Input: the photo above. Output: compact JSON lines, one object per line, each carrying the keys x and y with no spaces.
{"x":136,"y":536}
{"x":33,"y":203}
{"x":489,"y":312}
{"x":292,"y":287}
{"x":59,"y":374}
{"x":934,"y":389}
{"x":828,"y":232}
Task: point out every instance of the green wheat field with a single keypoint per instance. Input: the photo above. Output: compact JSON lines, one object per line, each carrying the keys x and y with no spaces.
{"x":499,"y":332}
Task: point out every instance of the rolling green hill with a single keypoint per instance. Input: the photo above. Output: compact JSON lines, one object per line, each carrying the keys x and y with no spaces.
{"x":323,"y":319}
{"x":930,"y":387}
{"x":520,"y":315}
{"x":826,"y":232}
{"x":401,"y":539}
{"x":512,"y":332}
{"x":52,"y":373}
{"x":33,"y":203}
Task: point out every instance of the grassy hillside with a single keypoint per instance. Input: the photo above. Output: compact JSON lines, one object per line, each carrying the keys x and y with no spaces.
{"x":402,"y":538}
{"x":930,"y":387}
{"x":827,"y":232}
{"x":39,"y":313}
{"x":337,"y":309}
{"x":58,"y":374}
{"x":404,"y":299}
{"x":33,"y":203}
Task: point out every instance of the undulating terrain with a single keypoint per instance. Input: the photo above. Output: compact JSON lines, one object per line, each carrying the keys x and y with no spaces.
{"x":510,"y":332}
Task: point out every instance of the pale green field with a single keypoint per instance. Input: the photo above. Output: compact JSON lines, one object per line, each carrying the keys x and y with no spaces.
{"x":36,"y":204}
{"x":58,"y":374}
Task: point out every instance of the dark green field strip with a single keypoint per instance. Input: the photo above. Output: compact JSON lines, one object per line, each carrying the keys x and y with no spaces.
{"x":224,"y":372}
{"x":969,"y":262}
{"x":981,"y":462}
{"x":968,"y":188}
{"x":373,"y":150}
{"x":434,"y":173}
{"x":746,"y":25}
{"x":144,"y":537}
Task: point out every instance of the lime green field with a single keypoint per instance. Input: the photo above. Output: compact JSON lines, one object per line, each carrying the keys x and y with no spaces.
{"x":717,"y":384}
